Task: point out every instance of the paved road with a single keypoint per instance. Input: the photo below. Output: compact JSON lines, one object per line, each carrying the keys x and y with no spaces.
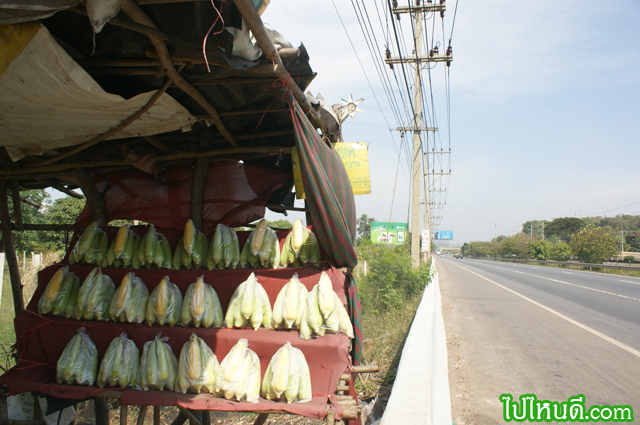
{"x":521,"y":329}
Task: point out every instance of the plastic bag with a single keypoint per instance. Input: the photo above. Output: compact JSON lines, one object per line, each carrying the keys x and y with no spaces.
{"x":324,"y":312}
{"x":224,"y":250}
{"x":165,"y":304}
{"x":240,"y":374}
{"x":119,"y":366}
{"x":287,"y":376}
{"x":94,"y":296}
{"x":198,"y":367}
{"x":262,"y":248}
{"x":249,"y":304}
{"x":158,"y":365}
{"x":291,"y":301}
{"x":83,"y":244}
{"x":129,"y":301}
{"x":300,"y":247}
{"x":201,"y":306}
{"x":56,"y":294}
{"x":78,"y":363}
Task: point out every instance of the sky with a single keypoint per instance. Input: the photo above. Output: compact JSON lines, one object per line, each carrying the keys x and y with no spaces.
{"x":544,"y":109}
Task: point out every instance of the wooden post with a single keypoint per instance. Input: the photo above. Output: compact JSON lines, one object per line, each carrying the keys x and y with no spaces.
{"x":206,"y":417}
{"x":94,"y":197}
{"x":10,"y":251}
{"x":197,"y":189}
{"x":156,"y":415}
{"x":261,"y":419}
{"x":124,"y":411}
{"x":141,"y":415}
{"x":17,"y":207}
{"x":102,"y":411}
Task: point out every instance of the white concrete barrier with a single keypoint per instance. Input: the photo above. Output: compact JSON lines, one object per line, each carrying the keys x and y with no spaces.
{"x":420,"y":393}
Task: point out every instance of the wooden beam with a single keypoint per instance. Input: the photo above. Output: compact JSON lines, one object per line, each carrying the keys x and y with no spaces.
{"x":38,"y":172}
{"x":45,"y":227}
{"x":156,"y":143}
{"x":61,"y":188}
{"x":255,"y":24}
{"x":24,"y":200}
{"x":280,"y":208}
{"x":137,"y":14}
{"x":192,"y":419}
{"x":113,"y":131}
{"x":260,"y":69}
{"x":10,"y":250}
{"x":94,"y":197}
{"x":124,"y":71}
{"x":17,"y":205}
{"x":119,"y":21}
{"x":197,"y":189}
{"x":123,"y":63}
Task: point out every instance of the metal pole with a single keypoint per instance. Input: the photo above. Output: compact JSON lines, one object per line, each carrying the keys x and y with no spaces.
{"x":417,"y":157}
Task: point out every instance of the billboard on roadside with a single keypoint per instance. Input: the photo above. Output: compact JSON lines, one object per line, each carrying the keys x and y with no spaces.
{"x":388,"y":233}
{"x":446,"y":235}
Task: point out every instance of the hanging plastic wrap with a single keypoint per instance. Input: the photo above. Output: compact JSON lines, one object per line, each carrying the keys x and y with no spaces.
{"x":129,"y":302}
{"x":165,"y":304}
{"x":78,"y":363}
{"x":287,"y":376}
{"x":158,"y":365}
{"x":249,"y":304}
{"x":119,"y":366}
{"x":201,"y":306}
{"x":198,"y":367}
{"x":240,"y":374}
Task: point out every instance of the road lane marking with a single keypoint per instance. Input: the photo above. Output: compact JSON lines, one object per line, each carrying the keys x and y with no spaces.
{"x":562,"y":316}
{"x":568,"y":283}
{"x":628,"y":281}
{"x":568,"y":272}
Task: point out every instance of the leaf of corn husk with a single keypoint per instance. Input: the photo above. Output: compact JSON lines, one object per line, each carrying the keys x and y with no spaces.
{"x":119,"y":366}
{"x":71,"y":302}
{"x":258,"y":237}
{"x":150,"y":244}
{"x":85,"y":240}
{"x":127,"y":300}
{"x":85,"y":290}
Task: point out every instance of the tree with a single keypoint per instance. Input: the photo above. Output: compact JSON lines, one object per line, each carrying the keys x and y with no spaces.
{"x":514,"y":246}
{"x":28,"y":240}
{"x":280,"y":224}
{"x":364,"y":228}
{"x":563,"y":228}
{"x":62,"y":211}
{"x":593,"y":245}
{"x":560,"y":251}
{"x":538,"y":250}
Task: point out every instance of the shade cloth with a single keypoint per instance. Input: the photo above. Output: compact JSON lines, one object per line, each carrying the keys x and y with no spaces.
{"x":235,"y":194}
{"x":41,"y":339}
{"x":328,"y":190}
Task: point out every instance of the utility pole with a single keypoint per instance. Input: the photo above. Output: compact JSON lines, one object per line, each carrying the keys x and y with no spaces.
{"x":417,"y":13}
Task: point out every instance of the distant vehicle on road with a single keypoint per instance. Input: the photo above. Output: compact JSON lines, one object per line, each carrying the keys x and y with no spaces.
{"x":459,"y":256}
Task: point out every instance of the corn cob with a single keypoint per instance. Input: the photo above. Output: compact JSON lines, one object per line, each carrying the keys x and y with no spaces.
{"x":122,"y":238}
{"x":197,"y":368}
{"x":240,"y":374}
{"x":258,"y":237}
{"x":158,"y":365}
{"x":85,"y":290}
{"x":217,"y":244}
{"x":274,"y":258}
{"x":325,"y":294}
{"x":137,"y":243}
{"x":130,"y":249}
{"x":66,"y":363}
{"x":287,"y":376}
{"x":135,"y":311}
{"x":198,"y":251}
{"x":246,"y":250}
{"x":90,"y":256}
{"x":189,"y":236}
{"x":297,"y":236}
{"x":103,"y":247}
{"x":60,"y":303}
{"x":236,"y":248}
{"x":177,"y":255}
{"x":79,"y":361}
{"x":142,"y":259}
{"x":150,"y":245}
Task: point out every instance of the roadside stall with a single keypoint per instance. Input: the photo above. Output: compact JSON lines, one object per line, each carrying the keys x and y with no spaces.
{"x":168,"y":114}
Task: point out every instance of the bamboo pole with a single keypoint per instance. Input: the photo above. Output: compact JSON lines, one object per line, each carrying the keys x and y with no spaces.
{"x":156,"y":415}
{"x":261,"y":69}
{"x":197,"y":189}
{"x":101,"y":411}
{"x":367,"y":368}
{"x":94,"y":197}
{"x":17,"y":206}
{"x":124,"y":413}
{"x":10,"y":251}
{"x":255,"y":24}
{"x":137,"y":14}
{"x":113,"y":131}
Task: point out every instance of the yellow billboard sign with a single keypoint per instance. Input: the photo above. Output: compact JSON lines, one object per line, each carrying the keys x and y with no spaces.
{"x":355,"y":157}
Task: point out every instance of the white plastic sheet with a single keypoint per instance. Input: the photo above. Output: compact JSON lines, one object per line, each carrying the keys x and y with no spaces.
{"x":48,"y":101}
